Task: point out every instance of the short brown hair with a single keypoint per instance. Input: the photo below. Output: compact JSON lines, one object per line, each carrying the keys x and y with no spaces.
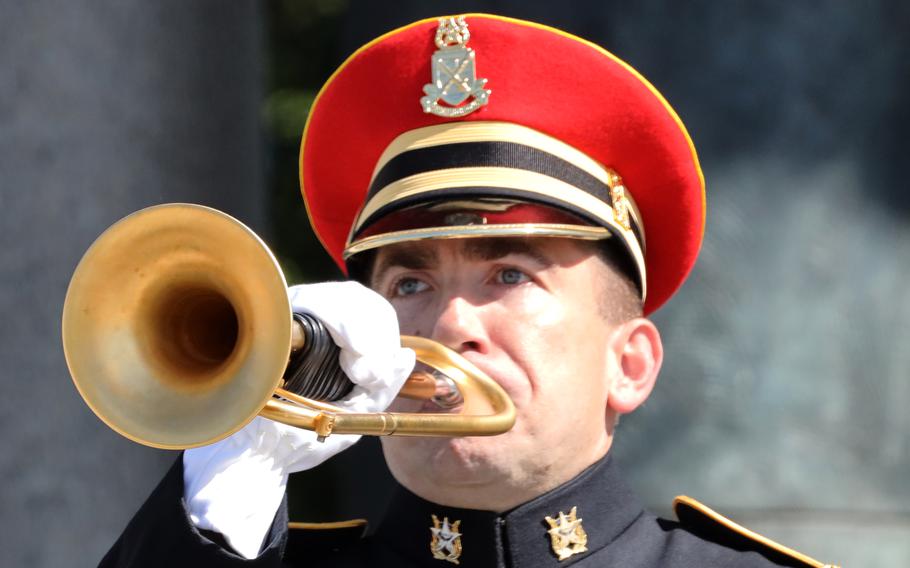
{"x":621,"y":295}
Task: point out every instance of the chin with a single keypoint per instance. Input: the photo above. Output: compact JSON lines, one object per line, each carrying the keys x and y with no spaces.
{"x":449,"y":462}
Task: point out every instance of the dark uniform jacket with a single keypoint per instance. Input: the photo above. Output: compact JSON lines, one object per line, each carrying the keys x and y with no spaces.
{"x":616,"y":530}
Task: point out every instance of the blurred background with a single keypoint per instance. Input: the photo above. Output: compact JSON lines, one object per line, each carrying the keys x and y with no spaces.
{"x":784,"y":398}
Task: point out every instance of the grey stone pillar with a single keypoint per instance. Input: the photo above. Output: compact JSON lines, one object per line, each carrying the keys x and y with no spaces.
{"x":105,"y":107}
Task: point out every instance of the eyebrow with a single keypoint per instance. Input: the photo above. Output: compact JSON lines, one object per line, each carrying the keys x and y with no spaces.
{"x":414,"y":256}
{"x":493,"y":249}
{"x":411,"y":256}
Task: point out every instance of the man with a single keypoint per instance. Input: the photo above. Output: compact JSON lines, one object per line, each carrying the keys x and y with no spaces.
{"x":525,"y":198}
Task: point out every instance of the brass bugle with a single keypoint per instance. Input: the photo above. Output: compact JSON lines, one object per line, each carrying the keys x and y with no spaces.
{"x":177,"y":330}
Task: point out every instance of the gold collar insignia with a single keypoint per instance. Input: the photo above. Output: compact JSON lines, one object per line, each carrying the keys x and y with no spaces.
{"x":446,"y":541}
{"x":567,"y":537}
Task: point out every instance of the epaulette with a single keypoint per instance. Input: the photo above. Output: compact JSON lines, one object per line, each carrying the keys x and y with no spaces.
{"x":304,"y":538}
{"x":710,"y":525}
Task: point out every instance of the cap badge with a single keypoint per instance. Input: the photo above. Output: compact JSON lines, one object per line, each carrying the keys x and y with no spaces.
{"x":567,"y":537}
{"x":446,"y":541}
{"x":454,"y":77}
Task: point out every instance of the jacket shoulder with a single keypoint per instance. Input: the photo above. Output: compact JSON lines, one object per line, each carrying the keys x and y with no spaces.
{"x":710,"y":525}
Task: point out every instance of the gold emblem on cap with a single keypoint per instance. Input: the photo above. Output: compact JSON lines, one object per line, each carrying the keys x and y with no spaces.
{"x":446,"y":541}
{"x":620,"y":202}
{"x":567,"y":537}
{"x":454,"y":77}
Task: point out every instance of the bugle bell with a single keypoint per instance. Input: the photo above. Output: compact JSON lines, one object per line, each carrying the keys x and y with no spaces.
{"x":177,"y":330}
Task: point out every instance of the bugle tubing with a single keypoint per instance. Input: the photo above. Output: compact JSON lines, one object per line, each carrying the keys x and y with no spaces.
{"x":177,"y":330}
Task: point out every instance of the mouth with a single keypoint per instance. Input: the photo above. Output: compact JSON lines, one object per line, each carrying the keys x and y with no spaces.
{"x":432,"y":389}
{"x":446,"y":399}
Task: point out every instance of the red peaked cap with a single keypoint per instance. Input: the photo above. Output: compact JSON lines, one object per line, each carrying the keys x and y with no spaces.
{"x":541,"y":78}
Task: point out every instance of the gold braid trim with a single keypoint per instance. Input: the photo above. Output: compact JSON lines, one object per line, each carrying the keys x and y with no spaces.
{"x":682,"y":502}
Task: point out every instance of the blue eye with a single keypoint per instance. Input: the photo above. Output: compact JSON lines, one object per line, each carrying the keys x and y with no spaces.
{"x":512,"y":276}
{"x":409,"y":286}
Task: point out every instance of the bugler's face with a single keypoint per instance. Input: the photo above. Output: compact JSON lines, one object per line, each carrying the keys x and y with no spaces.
{"x":527,"y":312}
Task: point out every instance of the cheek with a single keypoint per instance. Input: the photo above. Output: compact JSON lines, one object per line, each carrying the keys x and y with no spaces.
{"x":534,"y":317}
{"x":543,"y":312}
{"x":529,"y":331}
{"x":557,"y":344}
{"x":414,"y":317}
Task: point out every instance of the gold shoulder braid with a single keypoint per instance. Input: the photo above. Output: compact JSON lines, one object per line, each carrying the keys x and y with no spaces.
{"x":711,"y":525}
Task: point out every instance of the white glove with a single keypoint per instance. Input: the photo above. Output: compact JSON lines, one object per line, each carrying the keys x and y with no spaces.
{"x":235,"y":486}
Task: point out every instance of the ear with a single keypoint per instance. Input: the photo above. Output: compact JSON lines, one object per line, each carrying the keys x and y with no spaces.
{"x":636,"y":346}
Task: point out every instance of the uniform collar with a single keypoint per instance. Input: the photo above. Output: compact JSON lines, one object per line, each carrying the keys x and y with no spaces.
{"x":519,"y":537}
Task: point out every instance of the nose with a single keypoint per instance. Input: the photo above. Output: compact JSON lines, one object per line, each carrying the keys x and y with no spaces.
{"x":461,"y":326}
